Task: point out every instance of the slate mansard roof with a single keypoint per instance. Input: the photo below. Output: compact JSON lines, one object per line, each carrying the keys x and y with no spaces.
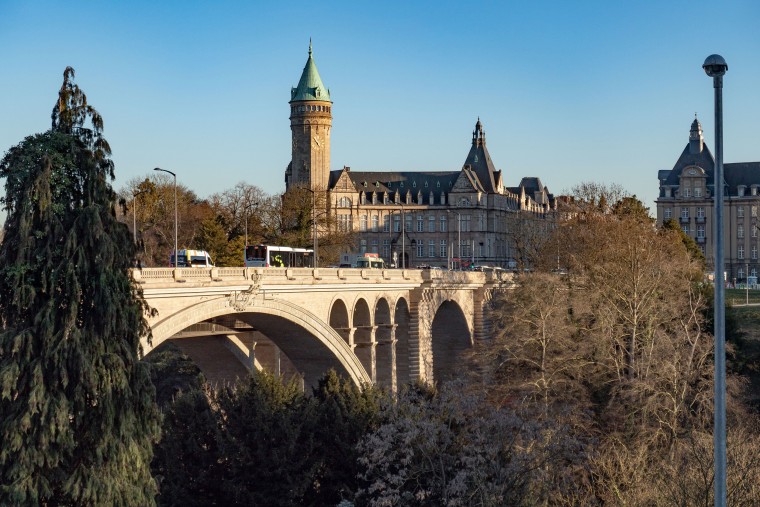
{"x":696,"y":153}
{"x":478,"y":170}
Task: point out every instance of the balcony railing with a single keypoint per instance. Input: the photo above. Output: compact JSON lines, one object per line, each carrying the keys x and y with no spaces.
{"x":683,"y":219}
{"x":700,"y":240}
{"x":700,"y":220}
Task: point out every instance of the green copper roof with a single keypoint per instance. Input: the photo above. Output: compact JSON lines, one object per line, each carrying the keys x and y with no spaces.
{"x":310,"y":86}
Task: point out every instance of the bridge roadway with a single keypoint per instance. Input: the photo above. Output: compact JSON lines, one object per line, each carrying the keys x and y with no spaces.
{"x":381,"y":326}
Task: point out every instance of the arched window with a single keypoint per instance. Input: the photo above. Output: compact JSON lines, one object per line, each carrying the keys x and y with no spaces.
{"x":344,"y":202}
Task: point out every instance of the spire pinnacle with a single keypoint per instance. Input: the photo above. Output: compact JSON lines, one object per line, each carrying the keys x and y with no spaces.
{"x":309,"y":46}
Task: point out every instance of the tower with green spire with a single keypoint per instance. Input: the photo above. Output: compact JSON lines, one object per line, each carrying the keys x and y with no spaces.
{"x":310,"y":125}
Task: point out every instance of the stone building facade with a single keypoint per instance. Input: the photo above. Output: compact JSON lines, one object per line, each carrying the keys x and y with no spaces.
{"x":415,"y":218}
{"x":687,"y":196}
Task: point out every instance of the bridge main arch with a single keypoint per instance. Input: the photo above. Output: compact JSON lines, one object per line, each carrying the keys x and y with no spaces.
{"x":311,"y":344}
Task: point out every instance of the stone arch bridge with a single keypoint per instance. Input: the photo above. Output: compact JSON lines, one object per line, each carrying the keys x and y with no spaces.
{"x":380,"y":326}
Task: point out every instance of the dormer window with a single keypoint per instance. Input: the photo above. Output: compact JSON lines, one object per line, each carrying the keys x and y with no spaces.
{"x":414,"y":184}
{"x":363,"y":198}
{"x":401,"y":184}
{"x":374,"y":198}
{"x":740,"y":190}
{"x":397,"y":198}
{"x":426,"y":184}
{"x":385,"y":198}
{"x":437,"y":184}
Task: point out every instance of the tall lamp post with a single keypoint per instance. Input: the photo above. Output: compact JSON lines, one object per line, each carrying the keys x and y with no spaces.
{"x":403,"y":235}
{"x":134,"y":213}
{"x":176,"y":250}
{"x":715,"y":67}
{"x":247,"y":210}
{"x":459,"y":236}
{"x":314,"y":222}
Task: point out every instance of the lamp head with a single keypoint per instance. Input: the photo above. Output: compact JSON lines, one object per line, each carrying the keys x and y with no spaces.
{"x":715,"y":66}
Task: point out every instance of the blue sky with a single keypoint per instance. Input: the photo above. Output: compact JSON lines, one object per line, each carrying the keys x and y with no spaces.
{"x":568,"y":91}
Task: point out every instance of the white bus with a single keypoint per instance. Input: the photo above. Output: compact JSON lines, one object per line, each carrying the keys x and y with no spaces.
{"x":191,"y":259}
{"x":271,"y":256}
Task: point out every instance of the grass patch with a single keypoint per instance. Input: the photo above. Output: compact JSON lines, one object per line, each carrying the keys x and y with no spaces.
{"x":739,"y":296}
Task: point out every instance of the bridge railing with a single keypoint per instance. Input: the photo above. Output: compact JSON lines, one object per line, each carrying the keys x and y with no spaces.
{"x":310,"y":275}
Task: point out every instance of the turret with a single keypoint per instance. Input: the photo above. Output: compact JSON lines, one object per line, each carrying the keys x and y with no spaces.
{"x":310,"y":125}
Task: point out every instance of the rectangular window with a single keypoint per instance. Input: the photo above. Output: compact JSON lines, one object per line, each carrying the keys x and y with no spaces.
{"x":668,"y":213}
{"x":700,"y":231}
{"x":685,"y":229}
{"x":386,"y":223}
{"x":408,"y":222}
{"x":420,"y":249}
{"x":387,"y":250}
{"x":697,"y":191}
{"x":431,"y":223}
{"x":740,"y":252}
{"x":754,"y":252}
{"x":700,"y":213}
{"x":344,"y":223}
{"x":687,"y":192}
{"x":363,"y":223}
{"x":431,"y":248}
{"x":740,"y":212}
{"x":443,"y":223}
{"x":740,"y":231}
{"x":420,"y":224}
{"x":374,"y":246}
{"x":442,"y":249}
{"x":465,"y":224}
{"x":363,"y":246}
{"x":375,"y":222}
{"x":397,"y":223}
{"x":754,"y":231}
{"x":684,"y":212}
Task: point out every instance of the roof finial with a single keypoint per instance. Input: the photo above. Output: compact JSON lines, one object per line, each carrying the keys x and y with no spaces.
{"x":695,"y":115}
{"x":310,"y":46}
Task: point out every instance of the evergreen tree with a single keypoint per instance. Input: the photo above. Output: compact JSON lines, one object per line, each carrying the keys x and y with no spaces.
{"x":77,"y":408}
{"x":345,"y":413}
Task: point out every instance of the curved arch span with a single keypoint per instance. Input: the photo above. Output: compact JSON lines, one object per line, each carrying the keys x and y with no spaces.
{"x":303,"y":336}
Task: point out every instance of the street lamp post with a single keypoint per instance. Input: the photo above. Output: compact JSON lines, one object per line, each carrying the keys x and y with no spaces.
{"x":459,"y":236}
{"x":403,"y":239}
{"x":134,"y":214}
{"x":314,"y":222}
{"x":247,"y":209}
{"x":176,"y":250}
{"x":715,"y":67}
